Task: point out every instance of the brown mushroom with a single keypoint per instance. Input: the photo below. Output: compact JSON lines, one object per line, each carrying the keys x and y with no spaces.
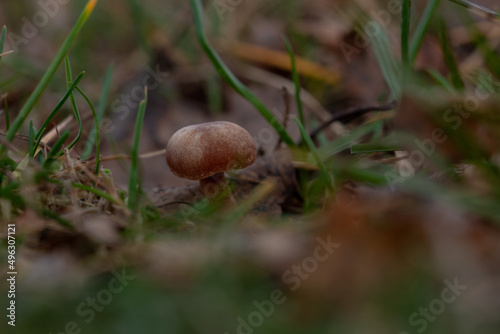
{"x":205,"y":151}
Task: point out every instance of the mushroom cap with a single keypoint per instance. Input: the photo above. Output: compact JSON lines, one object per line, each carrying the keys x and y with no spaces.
{"x":199,"y":151}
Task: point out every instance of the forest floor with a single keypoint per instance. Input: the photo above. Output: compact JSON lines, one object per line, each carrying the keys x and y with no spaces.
{"x":372,"y":206}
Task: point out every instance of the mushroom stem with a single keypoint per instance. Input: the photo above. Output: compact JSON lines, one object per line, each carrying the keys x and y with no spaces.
{"x":216,"y":185}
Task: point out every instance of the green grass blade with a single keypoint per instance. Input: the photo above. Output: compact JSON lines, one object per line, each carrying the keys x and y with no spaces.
{"x":69,"y":79}
{"x":32,"y":100}
{"x":93,"y":137}
{"x":302,"y":175}
{"x":365,"y":175}
{"x":340,"y":144}
{"x":421,"y":29}
{"x":449,"y":58}
{"x":133,"y":186}
{"x":307,"y":139}
{"x":97,"y":134}
{"x":230,"y":78}
{"x":2,"y":40}
{"x":441,"y":80}
{"x":95,"y":191}
{"x":39,"y":135}
{"x":405,"y":34}
{"x":387,"y":62}
{"x":295,"y":77}
{"x":56,"y":149}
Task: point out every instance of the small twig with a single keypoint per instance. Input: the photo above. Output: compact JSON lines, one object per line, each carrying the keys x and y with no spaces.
{"x":6,"y":53}
{"x":54,"y":124}
{"x":478,"y":9}
{"x":54,"y":132}
{"x":148,"y":155}
{"x":23,"y":137}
